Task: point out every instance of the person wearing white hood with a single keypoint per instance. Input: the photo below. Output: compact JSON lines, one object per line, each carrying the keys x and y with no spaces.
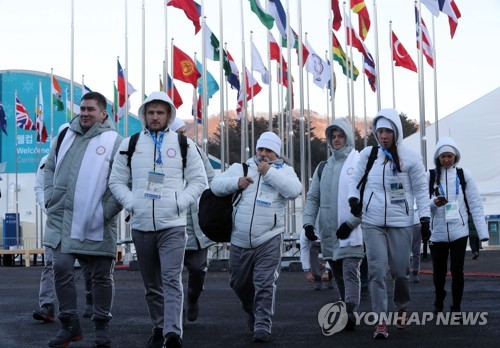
{"x":161,"y":191}
{"x":449,"y":208}
{"x":395,"y":180}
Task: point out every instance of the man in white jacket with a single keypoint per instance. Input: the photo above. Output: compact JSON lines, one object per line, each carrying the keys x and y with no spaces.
{"x":160,"y":194}
{"x":258,"y":226}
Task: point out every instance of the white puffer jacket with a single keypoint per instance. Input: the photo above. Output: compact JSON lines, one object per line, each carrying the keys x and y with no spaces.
{"x":377,"y":207}
{"x":169,"y":211}
{"x":443,"y":231}
{"x":253,"y":223}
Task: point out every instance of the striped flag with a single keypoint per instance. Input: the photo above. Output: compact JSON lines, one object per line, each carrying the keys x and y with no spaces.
{"x":231,"y":71}
{"x":370,"y":72}
{"x":23,"y":119}
{"x":57,"y":95}
{"x":359,"y":7}
{"x":340,"y":57}
{"x":426,"y":39}
{"x":41,"y":134}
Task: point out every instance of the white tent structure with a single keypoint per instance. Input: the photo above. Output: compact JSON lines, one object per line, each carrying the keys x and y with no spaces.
{"x":476,"y":130}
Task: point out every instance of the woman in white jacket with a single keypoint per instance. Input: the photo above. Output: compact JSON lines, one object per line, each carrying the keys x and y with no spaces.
{"x":449,"y":222}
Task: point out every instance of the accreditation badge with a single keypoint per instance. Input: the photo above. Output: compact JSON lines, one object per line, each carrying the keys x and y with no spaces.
{"x":397,"y":192}
{"x":154,"y":185}
{"x":452,"y":213}
{"x":265,"y":195}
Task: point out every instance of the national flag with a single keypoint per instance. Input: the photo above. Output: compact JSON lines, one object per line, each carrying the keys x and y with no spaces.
{"x":370,"y":72}
{"x":212,"y":45}
{"x":74,"y":111}
{"x":212,"y":85}
{"x":173,"y":92}
{"x":23,"y":119}
{"x":190,"y":9}
{"x":258,"y":64}
{"x":231,"y":71}
{"x":275,"y":54}
{"x":305,"y":53}
{"x":274,"y":48}
{"x":359,"y":7}
{"x":432,"y":5}
{"x":453,"y":20}
{"x":320,"y":70}
{"x":278,"y":12}
{"x":57,"y":95}
{"x":114,"y":107}
{"x":337,"y":16}
{"x":184,"y":68}
{"x":253,"y":88}
{"x":3,"y":120}
{"x":41,"y":131}
{"x":264,"y":17}
{"x":426,"y":39}
{"x":345,"y":62}
{"x":121,"y":92}
{"x":354,"y":40}
{"x":329,"y":84}
{"x":86,"y":90}
{"x":197,"y":111}
{"x":400,"y":55}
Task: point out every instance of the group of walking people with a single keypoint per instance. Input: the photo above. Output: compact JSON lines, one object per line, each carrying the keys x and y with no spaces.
{"x":158,"y":175}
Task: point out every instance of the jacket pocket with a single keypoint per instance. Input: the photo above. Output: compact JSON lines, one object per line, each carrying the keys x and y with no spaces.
{"x":369,"y":201}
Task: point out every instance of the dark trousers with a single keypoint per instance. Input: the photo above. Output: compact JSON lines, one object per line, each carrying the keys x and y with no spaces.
{"x":440,"y":252}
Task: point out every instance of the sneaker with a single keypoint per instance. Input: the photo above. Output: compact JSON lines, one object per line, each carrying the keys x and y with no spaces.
{"x":401,"y":319}
{"x":156,"y":339}
{"x":173,"y":340}
{"x":475,"y":255}
{"x":45,"y":313}
{"x":380,"y":331}
{"x":192,"y":311}
{"x":261,"y":336}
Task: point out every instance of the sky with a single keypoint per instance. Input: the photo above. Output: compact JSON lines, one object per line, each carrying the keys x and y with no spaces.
{"x":36,"y":35}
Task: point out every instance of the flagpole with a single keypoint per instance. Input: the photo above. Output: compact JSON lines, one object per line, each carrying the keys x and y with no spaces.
{"x":436,"y":112}
{"x":51,"y":104}
{"x":351,"y":85}
{"x":302,"y":143}
{"x":377,"y":60}
{"x":270,"y":90}
{"x":392,"y":67}
{"x":17,"y":170}
{"x":125,"y":73}
{"x":365,"y":142}
{"x":222,"y":124}
{"x":423,"y":138}
{"x":227,"y":112}
{"x":204,"y":115}
{"x":351,"y":63}
{"x":252,"y":126}
{"x":71,"y":94}
{"x":165,"y":59}
{"x":243,"y":92}
{"x":329,"y":53}
{"x":143,"y":80}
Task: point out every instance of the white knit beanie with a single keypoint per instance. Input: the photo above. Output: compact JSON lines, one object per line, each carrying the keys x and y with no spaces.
{"x":270,"y":141}
{"x":178,"y":123}
{"x":383,"y":122}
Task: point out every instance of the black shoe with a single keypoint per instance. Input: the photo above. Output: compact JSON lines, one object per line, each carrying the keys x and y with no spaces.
{"x":475,"y":255}
{"x":102,"y":339}
{"x":45,"y":313}
{"x":261,"y":336}
{"x":173,"y":340}
{"x":192,"y":311}
{"x":70,"y":332}
{"x":156,"y":339}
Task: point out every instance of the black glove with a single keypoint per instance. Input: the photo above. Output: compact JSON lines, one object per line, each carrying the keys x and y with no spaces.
{"x":356,"y":209}
{"x":344,"y":231}
{"x":426,"y":230}
{"x":310,"y":233}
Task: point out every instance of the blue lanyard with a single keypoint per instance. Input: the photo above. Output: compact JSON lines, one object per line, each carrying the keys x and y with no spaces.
{"x":393,"y":164}
{"x":456,"y":187}
{"x":158,"y":145}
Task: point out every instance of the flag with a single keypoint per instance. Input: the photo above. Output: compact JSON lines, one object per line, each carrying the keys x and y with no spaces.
{"x":329,"y":84}
{"x":359,"y":7}
{"x":184,"y":68}
{"x":426,"y":39}
{"x":23,"y":119}
{"x":400,"y":55}
{"x":231,"y":71}
{"x":212,"y":45}
{"x":72,"y":112}
{"x":274,"y":48}
{"x":305,"y":53}
{"x":253,"y":88}
{"x":86,"y":90}
{"x":320,"y":70}
{"x":345,"y":62}
{"x":337,"y":17}
{"x":432,"y":5}
{"x":190,"y":9}
{"x":121,"y":92}
{"x":370,"y":72}
{"x":173,"y":92}
{"x":114,"y":107}
{"x":356,"y":40}
{"x":57,"y":95}
{"x":212,"y":85}
{"x":264,"y":17}
{"x":275,"y":54}
{"x":453,"y":20}
{"x":258,"y":65}
{"x":3,"y":120}
{"x":41,"y":131}
{"x":278,"y":12}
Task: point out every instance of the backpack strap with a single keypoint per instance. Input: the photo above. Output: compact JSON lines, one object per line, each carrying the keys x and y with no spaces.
{"x":60,"y":139}
{"x":237,"y":196}
{"x":321,"y":166}
{"x":131,"y":149}
{"x":369,"y":165}
{"x":463,"y":184}
{"x":432,"y":180}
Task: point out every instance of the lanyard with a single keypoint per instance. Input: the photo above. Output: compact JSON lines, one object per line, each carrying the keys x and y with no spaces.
{"x":456,"y":187}
{"x":393,"y":164}
{"x":158,"y":144}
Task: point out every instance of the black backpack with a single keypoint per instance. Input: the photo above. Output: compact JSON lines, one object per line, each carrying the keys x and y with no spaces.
{"x":215,"y":214}
{"x":362,"y":183}
{"x":461,"y":179}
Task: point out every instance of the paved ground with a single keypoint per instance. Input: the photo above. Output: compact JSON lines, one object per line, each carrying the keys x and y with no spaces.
{"x":222,"y":322}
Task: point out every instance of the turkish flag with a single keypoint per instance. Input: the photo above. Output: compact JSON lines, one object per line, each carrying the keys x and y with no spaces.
{"x":400,"y":55}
